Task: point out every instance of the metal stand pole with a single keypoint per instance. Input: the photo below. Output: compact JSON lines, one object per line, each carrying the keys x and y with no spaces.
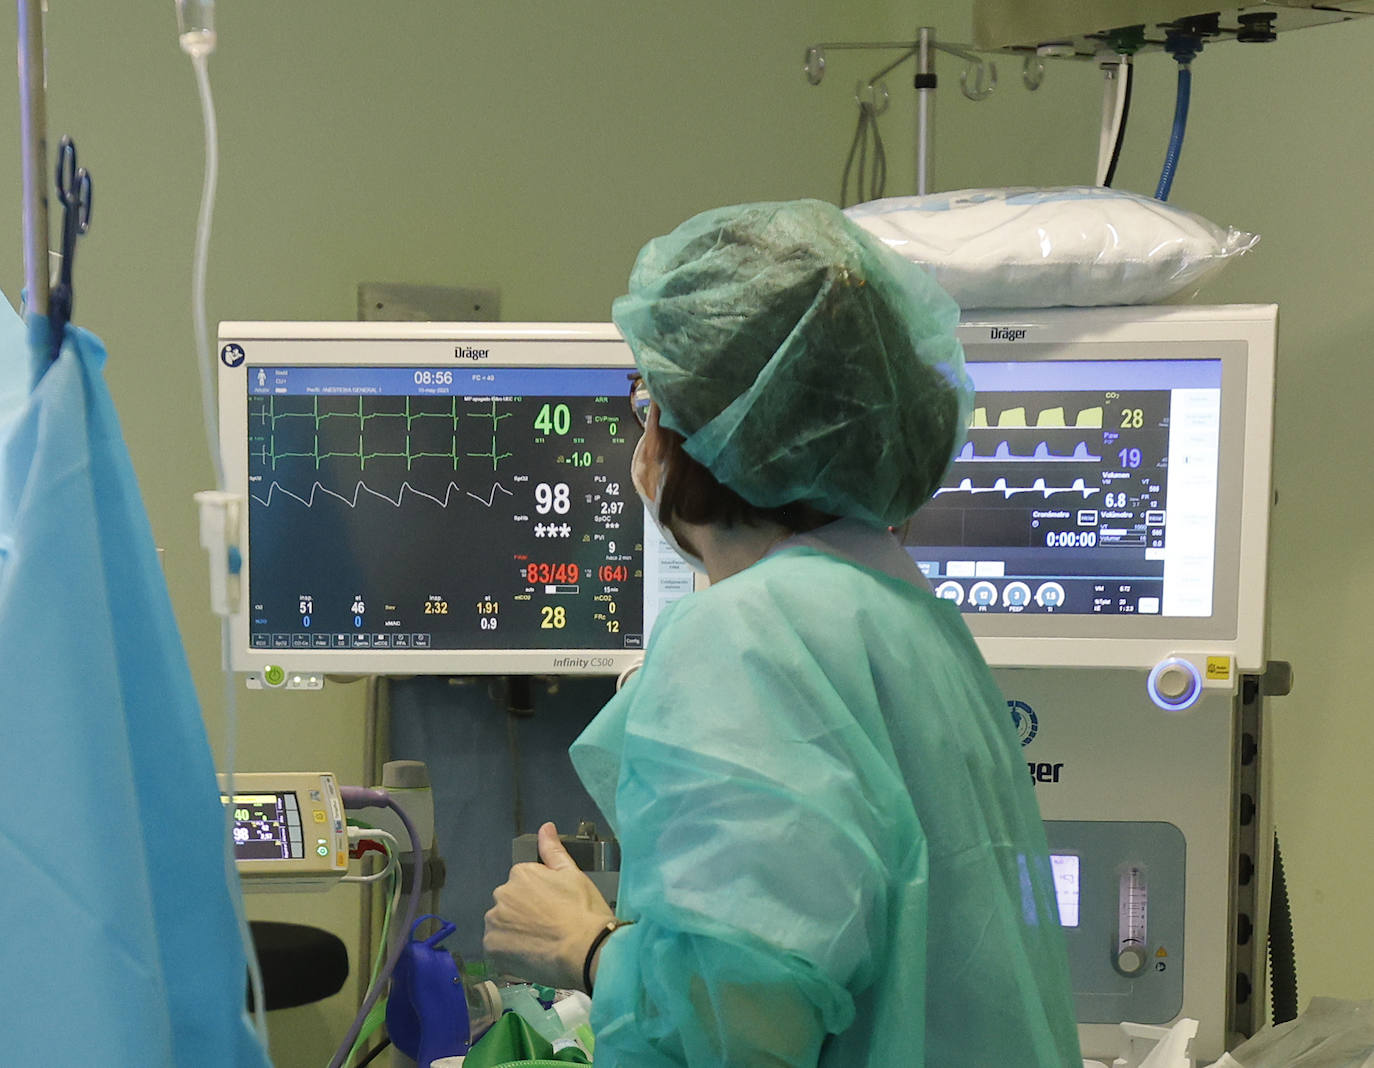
{"x":33,"y":120}
{"x":925,"y":107}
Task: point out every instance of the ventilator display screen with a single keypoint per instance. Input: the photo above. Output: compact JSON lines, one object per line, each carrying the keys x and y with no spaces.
{"x":1085,"y":487}
{"x":460,"y":508}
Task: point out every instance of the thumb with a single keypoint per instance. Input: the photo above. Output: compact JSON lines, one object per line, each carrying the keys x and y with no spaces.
{"x":551,"y":850}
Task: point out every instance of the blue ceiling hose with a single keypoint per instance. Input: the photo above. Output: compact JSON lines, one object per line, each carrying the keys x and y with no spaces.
{"x":1183,"y":47}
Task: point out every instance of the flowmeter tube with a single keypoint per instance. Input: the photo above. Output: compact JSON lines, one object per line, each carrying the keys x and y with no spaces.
{"x":1133,"y":908}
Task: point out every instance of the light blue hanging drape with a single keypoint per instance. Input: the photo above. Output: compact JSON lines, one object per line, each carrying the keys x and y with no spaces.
{"x":121,"y":945}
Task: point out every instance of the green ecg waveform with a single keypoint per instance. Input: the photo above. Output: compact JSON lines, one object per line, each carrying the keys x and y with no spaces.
{"x":269,"y":417}
{"x":493,"y":455}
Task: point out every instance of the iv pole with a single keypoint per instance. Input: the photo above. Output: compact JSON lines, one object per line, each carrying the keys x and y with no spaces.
{"x":977,"y":82}
{"x":33,"y":124}
{"x":925,"y":109}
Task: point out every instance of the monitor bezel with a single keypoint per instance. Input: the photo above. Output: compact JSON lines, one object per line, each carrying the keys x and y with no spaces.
{"x":367,"y":344}
{"x":1243,"y":338}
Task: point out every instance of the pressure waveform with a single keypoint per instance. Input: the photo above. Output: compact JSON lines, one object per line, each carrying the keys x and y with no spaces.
{"x":362,"y":487}
{"x":1042,"y":454}
{"x":1048,"y":417}
{"x":1000,"y":486}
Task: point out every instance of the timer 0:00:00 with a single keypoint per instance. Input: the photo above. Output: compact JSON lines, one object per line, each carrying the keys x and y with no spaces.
{"x":1070,"y":539}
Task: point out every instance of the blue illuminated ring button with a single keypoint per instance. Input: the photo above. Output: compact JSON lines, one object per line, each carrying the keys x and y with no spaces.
{"x":950,"y":591}
{"x":1016,"y":595}
{"x":1174,"y":684}
{"x":983,"y":595}
{"x":1049,"y":595}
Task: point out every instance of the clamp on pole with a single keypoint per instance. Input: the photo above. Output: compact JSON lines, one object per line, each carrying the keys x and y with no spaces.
{"x":220,"y":515}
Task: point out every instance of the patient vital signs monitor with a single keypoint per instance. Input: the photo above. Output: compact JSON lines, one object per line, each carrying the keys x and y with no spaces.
{"x":437,"y":498}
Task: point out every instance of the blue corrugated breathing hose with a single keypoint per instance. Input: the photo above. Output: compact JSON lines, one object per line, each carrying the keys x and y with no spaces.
{"x":1185,"y":85}
{"x":1184,"y":47}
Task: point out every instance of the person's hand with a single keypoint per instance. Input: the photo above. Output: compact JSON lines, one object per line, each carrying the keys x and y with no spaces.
{"x":545,"y":918}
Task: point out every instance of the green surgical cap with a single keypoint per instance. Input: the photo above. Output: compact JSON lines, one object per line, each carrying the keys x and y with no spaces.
{"x":800,"y":358}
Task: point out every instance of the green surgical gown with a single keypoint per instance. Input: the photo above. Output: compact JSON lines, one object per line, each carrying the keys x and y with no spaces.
{"x":829,"y":840}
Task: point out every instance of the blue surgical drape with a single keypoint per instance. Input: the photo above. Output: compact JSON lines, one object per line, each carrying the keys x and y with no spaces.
{"x":120,"y":933}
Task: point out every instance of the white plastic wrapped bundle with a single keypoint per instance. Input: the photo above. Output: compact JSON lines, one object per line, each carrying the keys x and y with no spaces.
{"x":1077,"y":246}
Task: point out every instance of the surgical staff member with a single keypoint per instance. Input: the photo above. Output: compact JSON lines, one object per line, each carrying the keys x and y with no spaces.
{"x":831,"y":854}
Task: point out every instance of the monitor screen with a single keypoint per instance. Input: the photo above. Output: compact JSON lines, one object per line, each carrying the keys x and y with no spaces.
{"x":1110,"y":504}
{"x":267,"y":826}
{"x":406,"y":515}
{"x":1083,"y":488}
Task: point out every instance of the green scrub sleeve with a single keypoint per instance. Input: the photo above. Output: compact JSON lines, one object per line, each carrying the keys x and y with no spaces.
{"x":672,"y":1000}
{"x":769,"y":854}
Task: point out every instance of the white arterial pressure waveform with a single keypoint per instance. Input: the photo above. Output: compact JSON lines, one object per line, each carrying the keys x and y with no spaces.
{"x":361,"y":487}
{"x":1000,"y":486}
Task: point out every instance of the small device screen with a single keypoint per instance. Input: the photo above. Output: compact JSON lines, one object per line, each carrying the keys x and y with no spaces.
{"x":1084,"y":488}
{"x":267,"y":826}
{"x":1066,"y":890}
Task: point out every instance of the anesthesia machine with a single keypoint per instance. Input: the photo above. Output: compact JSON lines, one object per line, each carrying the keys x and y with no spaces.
{"x":1104,"y":531}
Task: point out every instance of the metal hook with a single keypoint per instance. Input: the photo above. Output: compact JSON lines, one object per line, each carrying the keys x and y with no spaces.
{"x":814,"y":66}
{"x":873,"y":90}
{"x":1033,"y":72}
{"x":984,"y":79}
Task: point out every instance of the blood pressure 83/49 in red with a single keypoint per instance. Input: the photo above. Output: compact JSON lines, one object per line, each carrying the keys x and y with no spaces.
{"x":538,"y":572}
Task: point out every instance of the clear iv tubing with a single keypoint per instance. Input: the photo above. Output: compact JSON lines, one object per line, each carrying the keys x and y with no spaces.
{"x":198,"y":45}
{"x":250,"y":952}
{"x":209,"y":409}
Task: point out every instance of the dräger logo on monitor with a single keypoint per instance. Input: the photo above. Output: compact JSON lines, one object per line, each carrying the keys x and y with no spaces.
{"x":464,"y":353}
{"x":1007,"y":333}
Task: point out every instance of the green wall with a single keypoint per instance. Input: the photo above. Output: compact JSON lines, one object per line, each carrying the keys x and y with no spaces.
{"x":535,"y":146}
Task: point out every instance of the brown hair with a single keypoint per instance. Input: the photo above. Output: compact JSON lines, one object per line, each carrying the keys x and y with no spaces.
{"x":692,"y":493}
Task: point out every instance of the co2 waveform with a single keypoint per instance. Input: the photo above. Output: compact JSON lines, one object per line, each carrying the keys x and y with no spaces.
{"x":362,"y":487}
{"x":1048,"y":417}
